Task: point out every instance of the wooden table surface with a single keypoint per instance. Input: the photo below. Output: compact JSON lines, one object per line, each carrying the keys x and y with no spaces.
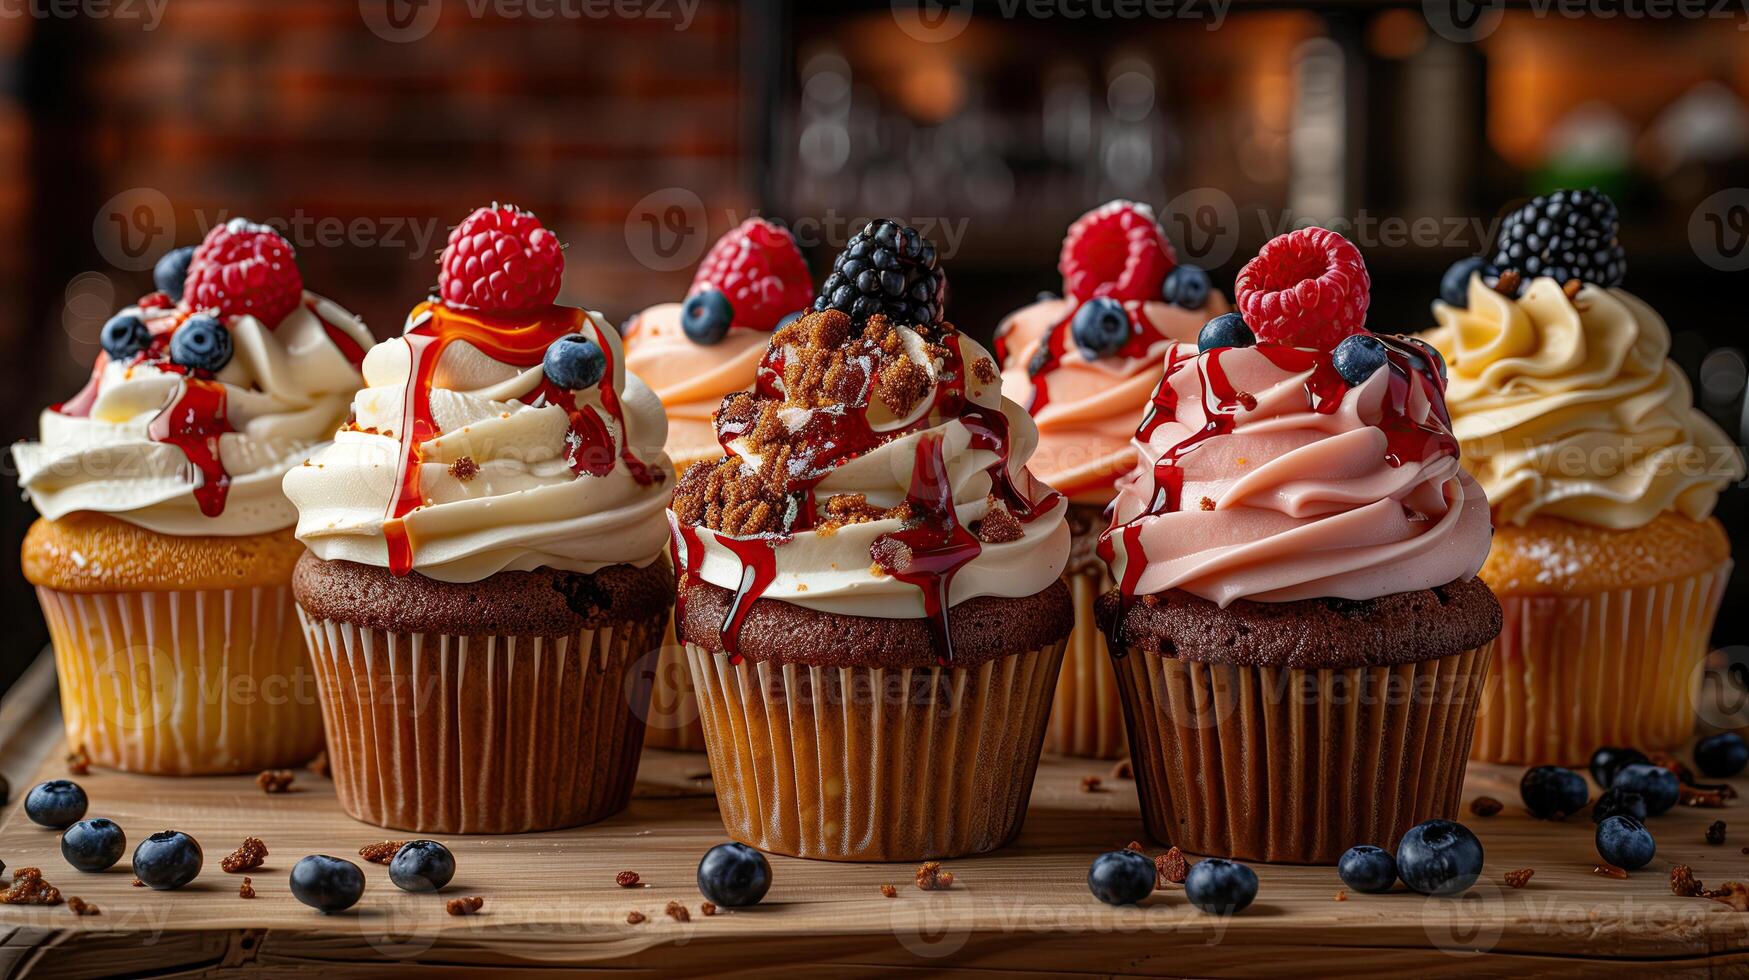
{"x":551,"y":902}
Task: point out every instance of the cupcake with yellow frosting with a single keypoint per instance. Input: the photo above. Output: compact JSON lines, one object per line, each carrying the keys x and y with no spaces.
{"x":693,"y":354}
{"x":1602,"y":478}
{"x":164,"y":555}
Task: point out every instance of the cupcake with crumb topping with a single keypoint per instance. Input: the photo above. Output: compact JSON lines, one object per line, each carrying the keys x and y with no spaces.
{"x":1603,"y":477}
{"x":869,"y":581}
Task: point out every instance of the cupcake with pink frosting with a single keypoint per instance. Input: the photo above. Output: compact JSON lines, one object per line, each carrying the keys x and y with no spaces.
{"x":1084,"y":366}
{"x":1298,"y":632}
{"x":693,"y":354}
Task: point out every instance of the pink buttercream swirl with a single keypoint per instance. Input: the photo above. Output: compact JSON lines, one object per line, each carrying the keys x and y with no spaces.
{"x":1264,"y":476}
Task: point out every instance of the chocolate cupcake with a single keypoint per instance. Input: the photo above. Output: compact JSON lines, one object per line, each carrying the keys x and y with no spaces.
{"x":486,"y":589}
{"x":869,"y":582}
{"x":1299,"y":636}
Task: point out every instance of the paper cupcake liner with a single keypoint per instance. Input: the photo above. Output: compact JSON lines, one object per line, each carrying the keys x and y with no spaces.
{"x":673,"y":720}
{"x":1608,"y":668}
{"x":874,"y":764}
{"x":184,"y":683}
{"x":440,"y":733}
{"x":1087,"y":714}
{"x":1296,"y":766}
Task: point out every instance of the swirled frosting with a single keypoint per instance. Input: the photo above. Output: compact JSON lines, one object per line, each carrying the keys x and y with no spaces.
{"x":690,"y":378}
{"x":1264,"y":476}
{"x":463,"y":459}
{"x":876,"y":475}
{"x":1570,"y":408}
{"x":1086,"y":407}
{"x":134,"y":444}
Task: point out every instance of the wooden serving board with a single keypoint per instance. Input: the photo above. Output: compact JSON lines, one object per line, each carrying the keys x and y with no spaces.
{"x":551,"y":902}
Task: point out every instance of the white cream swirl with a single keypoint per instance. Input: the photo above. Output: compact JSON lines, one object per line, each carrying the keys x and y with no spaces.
{"x":286,"y":388}
{"x":497,"y":491}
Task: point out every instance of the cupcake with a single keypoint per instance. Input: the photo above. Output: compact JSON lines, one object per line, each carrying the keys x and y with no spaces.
{"x":1602,"y":476}
{"x":694,"y":354}
{"x":1084,"y":366}
{"x":870,"y":594}
{"x":1299,"y":636}
{"x":163,"y":558}
{"x":485,"y":570}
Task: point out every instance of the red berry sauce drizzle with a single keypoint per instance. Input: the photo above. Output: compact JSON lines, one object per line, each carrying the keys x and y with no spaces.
{"x":1145,"y":334}
{"x":927,"y":551}
{"x":520,"y":341}
{"x":1406,"y":440}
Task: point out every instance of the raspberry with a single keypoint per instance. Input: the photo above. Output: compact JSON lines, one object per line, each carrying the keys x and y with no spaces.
{"x":1307,"y":288}
{"x":500,"y":259}
{"x":759,"y":269}
{"x":244,"y":268}
{"x":1116,"y":250}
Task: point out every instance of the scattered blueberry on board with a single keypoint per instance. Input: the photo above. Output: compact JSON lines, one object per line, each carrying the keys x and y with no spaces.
{"x":1121,"y":877}
{"x":94,"y":845}
{"x":1368,"y":869}
{"x":1618,"y":802}
{"x":1220,"y":887}
{"x":1553,"y":793}
{"x":574,"y":362}
{"x":422,"y":866}
{"x":734,"y":875}
{"x":1100,"y":327}
{"x":327,"y":884}
{"x":202,"y":344}
{"x":1625,"y":843}
{"x":1226,"y":330}
{"x":172,"y":271}
{"x":1721,"y":756}
{"x":706,"y":316}
{"x":1454,"y":288}
{"x":1659,"y":786}
{"x":1186,"y":286}
{"x":1609,"y":760}
{"x":167,"y":859}
{"x":1357,"y":357}
{"x":58,"y":803}
{"x":124,"y":336}
{"x":1439,"y":857}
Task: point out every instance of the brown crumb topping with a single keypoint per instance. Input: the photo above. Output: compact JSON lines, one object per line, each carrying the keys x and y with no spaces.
{"x":79,"y":906}
{"x":464,"y":469}
{"x":29,"y":888}
{"x":275,"y":780}
{"x":626,"y":879}
{"x":677,"y":912}
{"x":247,"y":857}
{"x":634,"y":917}
{"x":1171,"y":867}
{"x":985,"y":371}
{"x":382,"y":852}
{"x":707,"y":909}
{"x":1136,"y":846}
{"x":931,"y":878}
{"x":1519,"y":878}
{"x":889,"y":891}
{"x":79,"y":762}
{"x":1486,"y":806}
{"x":1507,"y":284}
{"x":1090,"y":784}
{"x":319,"y":765}
{"x":1208,"y":503}
{"x":465,"y":905}
{"x":247,"y":888}
{"x":998,"y":525}
{"x":1715,"y":833}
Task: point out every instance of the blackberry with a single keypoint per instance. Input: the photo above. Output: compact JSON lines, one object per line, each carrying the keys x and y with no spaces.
{"x":1567,"y":235}
{"x":886,"y":269}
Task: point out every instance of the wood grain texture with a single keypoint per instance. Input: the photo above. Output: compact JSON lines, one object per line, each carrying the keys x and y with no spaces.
{"x":551,"y":900}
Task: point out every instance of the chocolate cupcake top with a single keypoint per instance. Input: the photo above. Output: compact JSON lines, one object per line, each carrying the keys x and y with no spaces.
{"x":875,"y":468}
{"x":1309,"y":459}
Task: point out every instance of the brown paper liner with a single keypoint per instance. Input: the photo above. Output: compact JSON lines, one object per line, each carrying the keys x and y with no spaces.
{"x":872,"y":764}
{"x":673,"y":722}
{"x":1087,"y":714}
{"x":200,"y":682}
{"x":439,"y":733}
{"x":1606,"y":668}
{"x":1296,"y":766}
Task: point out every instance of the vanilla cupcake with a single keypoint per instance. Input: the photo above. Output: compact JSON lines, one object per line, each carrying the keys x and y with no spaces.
{"x":485,"y":583}
{"x":1603,"y":478}
{"x":164,"y":555}
{"x":693,"y":354}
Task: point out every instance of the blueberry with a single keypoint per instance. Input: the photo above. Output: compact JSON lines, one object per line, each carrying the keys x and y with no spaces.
{"x":124,"y":336}
{"x":1357,"y":357}
{"x":167,"y":859}
{"x":1609,"y":760}
{"x":1625,"y":843}
{"x":1366,"y":868}
{"x":201,"y":343}
{"x":1658,"y":785}
{"x":733,"y":875}
{"x":1439,"y":857}
{"x":1220,"y":887}
{"x":172,"y":270}
{"x":422,"y":866}
{"x":1121,"y":877}
{"x":1616,"y":801}
{"x":94,"y":845}
{"x":1187,"y":286}
{"x":574,"y":362}
{"x":1553,"y":793}
{"x":1455,"y":287}
{"x":1226,"y":330}
{"x":327,"y":884}
{"x":58,"y":803}
{"x":1721,"y":756}
{"x":707,"y":316}
{"x":1101,"y":327}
